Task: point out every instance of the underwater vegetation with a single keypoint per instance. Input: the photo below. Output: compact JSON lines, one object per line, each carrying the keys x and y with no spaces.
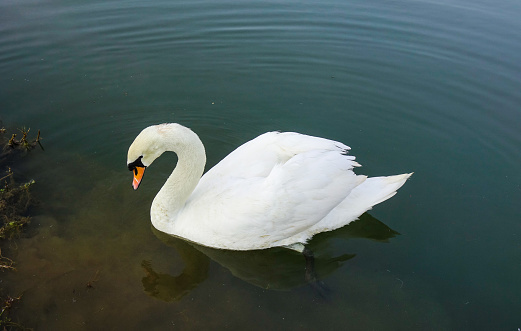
{"x":15,"y":203}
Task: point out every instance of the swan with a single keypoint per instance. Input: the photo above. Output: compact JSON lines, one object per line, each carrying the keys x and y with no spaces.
{"x":278,"y":189}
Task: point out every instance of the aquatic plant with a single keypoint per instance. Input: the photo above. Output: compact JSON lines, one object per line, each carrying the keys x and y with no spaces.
{"x":24,"y":143}
{"x":15,"y":200}
{"x":14,"y":203}
{"x":6,"y":323}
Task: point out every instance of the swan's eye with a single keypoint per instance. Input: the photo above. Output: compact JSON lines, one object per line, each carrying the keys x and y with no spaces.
{"x":132,"y":166}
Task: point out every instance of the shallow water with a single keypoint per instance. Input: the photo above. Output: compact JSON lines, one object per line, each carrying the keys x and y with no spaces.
{"x":423,"y":86}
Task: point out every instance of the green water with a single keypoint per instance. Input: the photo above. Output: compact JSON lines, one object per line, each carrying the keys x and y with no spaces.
{"x":423,"y":86}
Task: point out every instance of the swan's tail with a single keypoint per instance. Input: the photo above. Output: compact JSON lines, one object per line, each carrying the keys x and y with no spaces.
{"x":362,"y":198}
{"x":375,"y":190}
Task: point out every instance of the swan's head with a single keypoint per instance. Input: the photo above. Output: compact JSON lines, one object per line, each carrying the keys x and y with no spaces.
{"x":147,"y":147}
{"x":155,"y":140}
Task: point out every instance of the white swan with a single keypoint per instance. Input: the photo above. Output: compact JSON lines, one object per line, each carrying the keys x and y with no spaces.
{"x":278,"y":189}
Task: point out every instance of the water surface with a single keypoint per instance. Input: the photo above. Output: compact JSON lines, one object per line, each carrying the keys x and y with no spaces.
{"x":423,"y":86}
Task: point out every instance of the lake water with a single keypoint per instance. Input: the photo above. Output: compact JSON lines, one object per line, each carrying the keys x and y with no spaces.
{"x":432,"y":87}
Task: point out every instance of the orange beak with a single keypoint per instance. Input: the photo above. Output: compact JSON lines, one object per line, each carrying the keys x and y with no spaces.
{"x":138,"y":176}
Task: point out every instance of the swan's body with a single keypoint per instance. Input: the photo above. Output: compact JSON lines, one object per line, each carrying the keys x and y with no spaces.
{"x":278,"y":189}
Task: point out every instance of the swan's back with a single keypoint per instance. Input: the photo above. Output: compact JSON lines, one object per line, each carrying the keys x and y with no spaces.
{"x":278,"y":189}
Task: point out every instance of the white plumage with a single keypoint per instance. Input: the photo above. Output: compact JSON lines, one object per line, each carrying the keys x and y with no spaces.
{"x":278,"y":189}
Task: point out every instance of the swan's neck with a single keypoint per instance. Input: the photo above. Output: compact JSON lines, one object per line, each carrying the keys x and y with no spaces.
{"x":183,"y":180}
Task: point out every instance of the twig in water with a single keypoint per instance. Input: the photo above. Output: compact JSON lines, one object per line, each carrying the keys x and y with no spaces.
{"x":90,"y":284}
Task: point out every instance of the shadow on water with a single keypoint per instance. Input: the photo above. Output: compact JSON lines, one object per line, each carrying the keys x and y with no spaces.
{"x":275,"y":268}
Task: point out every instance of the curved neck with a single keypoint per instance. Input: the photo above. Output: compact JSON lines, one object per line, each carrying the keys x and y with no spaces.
{"x":184,"y":178}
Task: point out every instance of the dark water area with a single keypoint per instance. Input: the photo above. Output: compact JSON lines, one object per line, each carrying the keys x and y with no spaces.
{"x":423,"y":86}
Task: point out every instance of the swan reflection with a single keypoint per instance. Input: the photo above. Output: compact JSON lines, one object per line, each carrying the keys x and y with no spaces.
{"x":274,"y":268}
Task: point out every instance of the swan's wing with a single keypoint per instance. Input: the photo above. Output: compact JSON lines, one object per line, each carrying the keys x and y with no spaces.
{"x":258,"y":157}
{"x":306,"y":188}
{"x":252,"y":159}
{"x":272,"y":188}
